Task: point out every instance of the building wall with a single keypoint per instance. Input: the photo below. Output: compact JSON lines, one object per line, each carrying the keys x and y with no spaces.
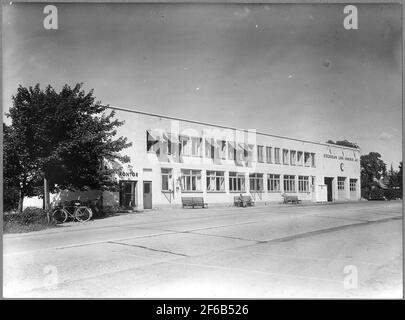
{"x":330,"y":161}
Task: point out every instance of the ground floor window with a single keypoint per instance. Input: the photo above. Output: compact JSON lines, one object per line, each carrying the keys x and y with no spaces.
{"x":273,"y":182}
{"x":236,"y":181}
{"x":353,"y":184}
{"x":256,"y":182}
{"x":166,"y":179}
{"x":341,"y":183}
{"x":190,"y":180}
{"x":313,"y":183}
{"x":303,"y":183}
{"x":289,"y":183}
{"x":215,"y":181}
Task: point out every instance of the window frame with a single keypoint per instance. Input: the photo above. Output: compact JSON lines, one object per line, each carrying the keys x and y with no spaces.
{"x":213,"y":175}
{"x":303,"y":184}
{"x":272,"y":180}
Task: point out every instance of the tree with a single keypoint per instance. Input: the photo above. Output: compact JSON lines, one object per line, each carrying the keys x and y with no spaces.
{"x":63,"y":138}
{"x":344,"y":143}
{"x":372,"y":167}
{"x":393,"y":178}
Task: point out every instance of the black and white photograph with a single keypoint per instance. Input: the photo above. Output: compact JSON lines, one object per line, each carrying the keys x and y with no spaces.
{"x":174,"y":150}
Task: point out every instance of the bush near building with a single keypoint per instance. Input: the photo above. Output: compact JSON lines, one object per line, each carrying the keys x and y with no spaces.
{"x":31,"y":219}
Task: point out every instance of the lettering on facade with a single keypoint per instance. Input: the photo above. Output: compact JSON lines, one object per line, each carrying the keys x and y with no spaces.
{"x":331,"y":156}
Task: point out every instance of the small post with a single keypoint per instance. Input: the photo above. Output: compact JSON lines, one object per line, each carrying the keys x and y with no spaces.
{"x":46,"y":195}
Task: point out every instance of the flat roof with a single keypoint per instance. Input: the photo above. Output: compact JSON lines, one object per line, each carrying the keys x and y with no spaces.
{"x":225,"y":127}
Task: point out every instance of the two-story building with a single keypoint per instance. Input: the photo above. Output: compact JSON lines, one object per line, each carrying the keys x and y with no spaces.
{"x":173,"y":158}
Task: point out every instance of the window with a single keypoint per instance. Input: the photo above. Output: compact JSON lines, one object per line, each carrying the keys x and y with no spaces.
{"x":236,"y":182}
{"x":285,"y":156}
{"x":353,"y":184}
{"x":289,"y":183}
{"x":277,"y":155}
{"x":260,"y":154}
{"x":299,"y":158}
{"x":196,"y":146}
{"x":256,"y":182}
{"x":190,"y":180}
{"x":152,"y":142}
{"x":209,"y":148}
{"x":167,"y":181}
{"x":231,"y":151}
{"x":341,"y":183}
{"x":303,"y":183}
{"x":268,"y":154}
{"x":313,"y":160}
{"x":251,"y":148}
{"x":293,"y":155}
{"x":215,"y":181}
{"x":313,"y":183}
{"x":307,"y":159}
{"x":222,"y":149}
{"x":273,"y":182}
{"x":185,"y":146}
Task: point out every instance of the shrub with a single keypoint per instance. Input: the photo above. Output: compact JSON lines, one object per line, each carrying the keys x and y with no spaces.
{"x":392,"y":194}
{"x":377,"y":194}
{"x":31,"y":219}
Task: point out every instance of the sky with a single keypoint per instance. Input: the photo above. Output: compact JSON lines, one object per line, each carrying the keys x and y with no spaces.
{"x":284,"y":69}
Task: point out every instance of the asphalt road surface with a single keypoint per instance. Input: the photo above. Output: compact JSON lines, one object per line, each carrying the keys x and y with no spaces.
{"x":351,"y":250}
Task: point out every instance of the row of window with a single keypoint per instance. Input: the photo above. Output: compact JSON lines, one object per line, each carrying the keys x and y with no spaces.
{"x":220,"y":149}
{"x":191,"y":180}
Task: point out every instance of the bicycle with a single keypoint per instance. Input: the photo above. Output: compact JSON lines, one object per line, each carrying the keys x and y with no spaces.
{"x":80,"y":213}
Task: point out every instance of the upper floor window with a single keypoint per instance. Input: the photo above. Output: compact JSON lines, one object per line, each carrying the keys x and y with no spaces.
{"x":299,"y":158}
{"x":222,"y":149}
{"x":277,"y":155}
{"x":260,"y":154}
{"x":293,"y":158}
{"x":285,"y":156}
{"x":268,"y":155}
{"x":153,"y":143}
{"x":313,"y":160}
{"x":307,"y":159}
{"x":231,"y":151}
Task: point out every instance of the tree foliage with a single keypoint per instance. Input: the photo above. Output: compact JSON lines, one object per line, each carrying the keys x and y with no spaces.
{"x":344,"y":143}
{"x":61,"y":136}
{"x":372,"y":166}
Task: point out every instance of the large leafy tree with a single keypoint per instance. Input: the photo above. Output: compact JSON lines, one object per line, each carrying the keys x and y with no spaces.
{"x":61,"y":137}
{"x":372,"y":166}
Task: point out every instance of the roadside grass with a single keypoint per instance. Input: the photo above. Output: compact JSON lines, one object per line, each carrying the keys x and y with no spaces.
{"x":31,"y":219}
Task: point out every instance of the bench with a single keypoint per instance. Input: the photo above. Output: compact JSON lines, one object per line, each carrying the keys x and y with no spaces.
{"x":193,"y":202}
{"x":243,"y":201}
{"x":292,"y":199}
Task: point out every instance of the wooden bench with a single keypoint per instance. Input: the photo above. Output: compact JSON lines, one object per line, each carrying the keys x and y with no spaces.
{"x":193,"y":202}
{"x":243,"y":201}
{"x":292,"y":199}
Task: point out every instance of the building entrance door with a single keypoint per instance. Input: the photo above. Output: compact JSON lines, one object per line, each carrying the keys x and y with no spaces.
{"x":329,"y":185}
{"x":127,"y":194}
{"x":147,"y":194}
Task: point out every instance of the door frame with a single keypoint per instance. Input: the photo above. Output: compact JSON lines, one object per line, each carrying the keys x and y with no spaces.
{"x":134,"y":197}
{"x":150,"y":192}
{"x":329,"y":188}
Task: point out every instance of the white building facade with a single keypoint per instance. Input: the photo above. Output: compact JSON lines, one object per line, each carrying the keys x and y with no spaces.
{"x":174,"y":158}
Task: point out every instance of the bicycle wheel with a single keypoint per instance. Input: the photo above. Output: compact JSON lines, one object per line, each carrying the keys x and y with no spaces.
{"x":59,"y":215}
{"x":83,"y":214}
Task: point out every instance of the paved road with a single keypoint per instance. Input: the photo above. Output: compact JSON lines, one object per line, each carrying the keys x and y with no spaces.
{"x":259,"y":252}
